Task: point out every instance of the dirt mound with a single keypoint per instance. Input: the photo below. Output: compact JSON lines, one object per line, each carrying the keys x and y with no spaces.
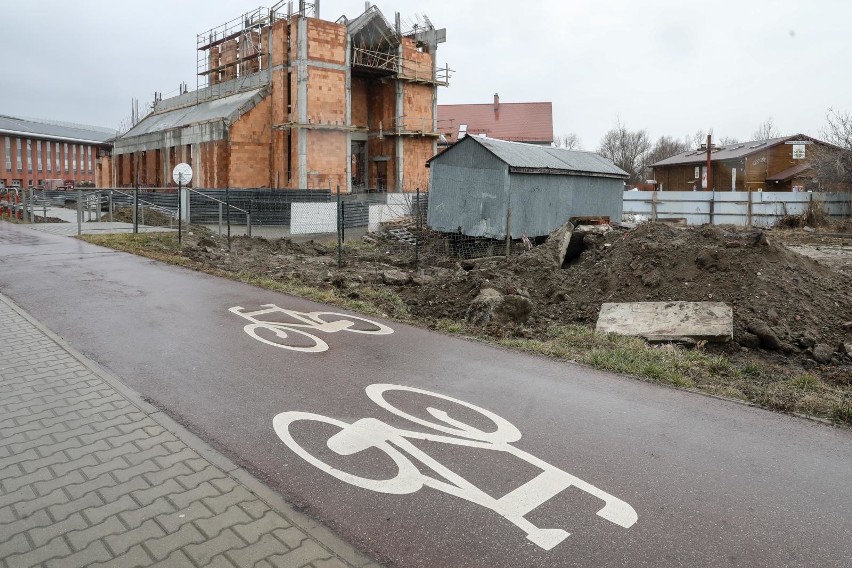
{"x":771,"y":289}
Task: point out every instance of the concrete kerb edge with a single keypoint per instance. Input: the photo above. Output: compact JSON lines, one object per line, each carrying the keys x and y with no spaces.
{"x":326,"y":538}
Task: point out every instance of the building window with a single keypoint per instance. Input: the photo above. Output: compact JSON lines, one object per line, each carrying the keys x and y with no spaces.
{"x":74,"y":158}
{"x":38,"y":155}
{"x":18,"y":155}
{"x":89,"y":152}
{"x":29,"y":157}
{"x":57,"y":150}
{"x":8,"y":154}
{"x":47,"y":157}
{"x":66,"y":157}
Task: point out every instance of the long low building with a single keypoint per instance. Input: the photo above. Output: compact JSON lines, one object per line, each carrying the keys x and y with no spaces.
{"x":775,"y":164}
{"x":33,"y":151}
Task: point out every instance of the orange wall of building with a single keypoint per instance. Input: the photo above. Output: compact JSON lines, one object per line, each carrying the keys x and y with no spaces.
{"x":326,"y":41}
{"x":251,"y":146}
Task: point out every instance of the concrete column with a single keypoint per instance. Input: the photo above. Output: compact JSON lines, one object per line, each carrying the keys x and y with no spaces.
{"x":348,"y":113}
{"x":302,"y":98}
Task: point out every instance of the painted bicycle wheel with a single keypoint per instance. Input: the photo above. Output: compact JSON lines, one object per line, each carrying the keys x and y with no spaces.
{"x":504,"y":433}
{"x":281,"y":334}
{"x":356,"y":324}
{"x":407,"y":480}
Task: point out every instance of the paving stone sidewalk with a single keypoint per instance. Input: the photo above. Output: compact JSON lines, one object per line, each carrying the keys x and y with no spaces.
{"x":91,"y":475}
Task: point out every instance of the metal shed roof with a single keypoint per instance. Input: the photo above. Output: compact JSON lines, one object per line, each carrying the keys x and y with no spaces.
{"x":529,"y":158}
{"x":27,"y":127}
{"x":729,"y":152}
{"x":225,"y":109}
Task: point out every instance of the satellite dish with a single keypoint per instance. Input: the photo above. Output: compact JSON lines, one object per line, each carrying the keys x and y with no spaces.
{"x":182,"y":174}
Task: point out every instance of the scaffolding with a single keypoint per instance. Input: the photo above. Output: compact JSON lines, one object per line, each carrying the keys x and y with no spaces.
{"x":238,"y":47}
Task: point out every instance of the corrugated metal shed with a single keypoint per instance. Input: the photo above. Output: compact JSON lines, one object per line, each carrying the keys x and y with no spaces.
{"x":25,"y":127}
{"x":527,"y":157}
{"x":482,"y":187}
{"x":217,"y":109}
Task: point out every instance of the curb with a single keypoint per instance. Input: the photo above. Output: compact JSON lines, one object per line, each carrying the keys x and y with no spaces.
{"x":324,"y":536}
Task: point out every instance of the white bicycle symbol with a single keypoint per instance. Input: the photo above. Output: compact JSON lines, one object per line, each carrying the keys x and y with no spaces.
{"x":368,"y":433}
{"x":327,"y":322}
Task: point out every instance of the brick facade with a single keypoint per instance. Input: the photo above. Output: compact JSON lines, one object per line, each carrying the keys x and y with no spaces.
{"x":28,"y":161}
{"x":314,"y":119}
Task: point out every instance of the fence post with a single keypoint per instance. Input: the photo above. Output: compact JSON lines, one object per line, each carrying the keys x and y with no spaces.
{"x":339,"y":230}
{"x":79,"y":212}
{"x":508,"y":232}
{"x":180,"y":211}
{"x":417,"y":235}
{"x":749,"y":209}
{"x":136,"y":210}
{"x":220,"y":218}
{"x":24,"y":211}
{"x":228,"y":209}
{"x":248,"y":218}
{"x":110,"y":205}
{"x":654,"y":199}
{"x":712,"y":205}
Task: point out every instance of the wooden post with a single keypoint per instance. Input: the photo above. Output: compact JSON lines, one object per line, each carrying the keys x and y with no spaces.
{"x":749,"y":209}
{"x":654,"y":206}
{"x":508,"y":232}
{"x":709,"y":166}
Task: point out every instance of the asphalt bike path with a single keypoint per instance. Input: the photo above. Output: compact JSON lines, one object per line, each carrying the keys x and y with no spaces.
{"x":427,"y":450}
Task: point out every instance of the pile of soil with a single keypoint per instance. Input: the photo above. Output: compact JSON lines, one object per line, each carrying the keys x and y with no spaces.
{"x":788,"y":308}
{"x":774,"y":292}
{"x":151,"y":217}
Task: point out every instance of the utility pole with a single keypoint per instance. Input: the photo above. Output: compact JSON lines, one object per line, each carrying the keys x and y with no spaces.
{"x":709,"y":171}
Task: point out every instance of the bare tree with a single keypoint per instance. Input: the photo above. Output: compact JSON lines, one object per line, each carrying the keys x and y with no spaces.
{"x":694,"y":141}
{"x":766,"y":130}
{"x":568,"y":141}
{"x":832,"y":165}
{"x":627,"y":149}
{"x":727,"y":141}
{"x":664,"y":147}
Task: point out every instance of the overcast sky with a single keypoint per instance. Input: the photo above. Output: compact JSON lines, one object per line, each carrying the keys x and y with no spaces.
{"x":671,"y":67}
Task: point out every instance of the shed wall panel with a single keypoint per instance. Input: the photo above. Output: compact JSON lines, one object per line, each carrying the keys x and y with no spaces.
{"x":468,"y":191}
{"x":542,"y":203}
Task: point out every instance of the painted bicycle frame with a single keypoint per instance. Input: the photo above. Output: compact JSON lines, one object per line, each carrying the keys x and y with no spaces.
{"x":373,"y":433}
{"x":303,"y":321}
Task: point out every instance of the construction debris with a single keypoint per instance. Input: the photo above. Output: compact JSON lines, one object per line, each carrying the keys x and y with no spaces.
{"x":669,"y":321}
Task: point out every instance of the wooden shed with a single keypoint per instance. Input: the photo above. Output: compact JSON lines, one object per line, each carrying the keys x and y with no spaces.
{"x":483,"y":187}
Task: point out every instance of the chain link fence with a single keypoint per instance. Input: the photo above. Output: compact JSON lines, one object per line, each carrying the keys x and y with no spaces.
{"x":394,"y":224}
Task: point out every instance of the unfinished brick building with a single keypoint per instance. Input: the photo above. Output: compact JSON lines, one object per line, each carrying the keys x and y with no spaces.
{"x":288,"y":100}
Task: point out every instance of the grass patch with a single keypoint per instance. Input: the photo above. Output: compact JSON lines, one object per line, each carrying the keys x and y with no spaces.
{"x":764,"y":385}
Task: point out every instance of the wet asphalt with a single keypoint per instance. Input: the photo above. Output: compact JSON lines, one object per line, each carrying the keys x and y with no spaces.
{"x":714,"y":483}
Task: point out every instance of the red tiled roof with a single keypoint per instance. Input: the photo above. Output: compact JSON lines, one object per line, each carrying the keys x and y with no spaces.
{"x":517,"y":122}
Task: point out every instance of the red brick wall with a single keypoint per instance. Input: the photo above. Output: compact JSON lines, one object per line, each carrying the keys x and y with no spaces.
{"x":326,"y":41}
{"x":326,"y":96}
{"x":416,"y":151}
{"x":359,"y":102}
{"x":30,"y":156}
{"x":327,"y":156}
{"x":417,"y":105}
{"x":415,"y":64}
{"x":251,"y":145}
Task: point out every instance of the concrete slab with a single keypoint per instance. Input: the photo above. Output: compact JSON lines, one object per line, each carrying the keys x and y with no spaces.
{"x":669,"y":321}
